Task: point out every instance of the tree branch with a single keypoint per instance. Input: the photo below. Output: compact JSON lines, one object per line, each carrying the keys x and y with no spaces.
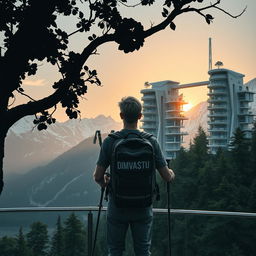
{"x":215,"y":5}
{"x":24,"y":94}
{"x":163,"y":24}
{"x":229,"y":14}
{"x":34,"y":107}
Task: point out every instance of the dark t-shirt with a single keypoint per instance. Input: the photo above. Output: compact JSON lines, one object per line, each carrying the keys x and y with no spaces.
{"x":106,"y":150}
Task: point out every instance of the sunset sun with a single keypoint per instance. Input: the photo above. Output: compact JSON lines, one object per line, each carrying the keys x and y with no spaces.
{"x":187,"y":107}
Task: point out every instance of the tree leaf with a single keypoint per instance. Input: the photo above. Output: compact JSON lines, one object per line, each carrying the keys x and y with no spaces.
{"x":172,"y":26}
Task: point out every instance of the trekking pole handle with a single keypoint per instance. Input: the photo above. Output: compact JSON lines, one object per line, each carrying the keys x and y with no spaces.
{"x":97,"y":135}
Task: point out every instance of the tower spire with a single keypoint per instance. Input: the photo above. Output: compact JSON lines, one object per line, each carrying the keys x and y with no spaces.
{"x":210,"y":53}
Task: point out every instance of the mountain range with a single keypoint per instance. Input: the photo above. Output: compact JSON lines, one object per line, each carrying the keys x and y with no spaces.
{"x":27,"y":148}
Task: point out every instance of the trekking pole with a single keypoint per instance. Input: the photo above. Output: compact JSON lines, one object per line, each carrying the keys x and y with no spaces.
{"x":169,"y":212}
{"x":169,"y":217}
{"x":98,"y":220}
{"x":98,"y":135}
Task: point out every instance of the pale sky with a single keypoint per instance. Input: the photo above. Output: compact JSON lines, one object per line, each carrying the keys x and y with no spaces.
{"x":180,"y":55}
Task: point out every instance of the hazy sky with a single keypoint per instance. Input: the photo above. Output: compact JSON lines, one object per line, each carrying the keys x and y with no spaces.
{"x":180,"y":55}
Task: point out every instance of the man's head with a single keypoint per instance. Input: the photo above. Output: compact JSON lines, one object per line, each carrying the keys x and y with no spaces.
{"x":130,"y":109}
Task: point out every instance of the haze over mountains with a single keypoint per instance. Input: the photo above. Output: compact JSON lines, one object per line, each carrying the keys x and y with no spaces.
{"x":27,"y":148}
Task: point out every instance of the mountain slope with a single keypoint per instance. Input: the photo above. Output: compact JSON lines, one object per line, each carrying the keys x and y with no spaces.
{"x":66,"y":181}
{"x":197,"y":116}
{"x":27,"y":148}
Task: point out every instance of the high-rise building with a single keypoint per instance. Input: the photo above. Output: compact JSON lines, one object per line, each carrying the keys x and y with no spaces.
{"x":228,"y":107}
{"x":162,"y":115}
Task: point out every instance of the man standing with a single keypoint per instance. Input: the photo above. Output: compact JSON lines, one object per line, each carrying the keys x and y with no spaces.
{"x":120,"y":219}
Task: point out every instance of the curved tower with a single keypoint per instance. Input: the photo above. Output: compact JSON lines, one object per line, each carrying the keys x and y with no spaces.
{"x":162,"y":115}
{"x":228,"y":107}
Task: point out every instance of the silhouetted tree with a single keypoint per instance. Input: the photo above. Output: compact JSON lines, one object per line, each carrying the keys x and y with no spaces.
{"x":74,"y":237}
{"x":7,"y":246}
{"x":38,"y":239}
{"x":31,"y":34}
{"x":57,"y":248}
{"x":22,"y":248}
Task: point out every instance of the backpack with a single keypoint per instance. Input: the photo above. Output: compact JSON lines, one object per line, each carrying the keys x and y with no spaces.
{"x":132,"y":170}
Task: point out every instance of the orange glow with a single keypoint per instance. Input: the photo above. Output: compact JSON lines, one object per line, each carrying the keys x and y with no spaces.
{"x":187,"y":107}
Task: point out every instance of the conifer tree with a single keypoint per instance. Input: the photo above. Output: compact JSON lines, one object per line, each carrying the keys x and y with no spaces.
{"x":22,"y":248}
{"x":38,"y":239}
{"x":74,"y":237}
{"x":57,"y":247}
{"x":199,"y":149}
{"x":253,"y":152}
{"x":240,"y":151}
{"x":7,"y":246}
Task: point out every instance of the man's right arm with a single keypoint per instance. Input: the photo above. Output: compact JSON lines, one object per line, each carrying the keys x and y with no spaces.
{"x":166,"y":173}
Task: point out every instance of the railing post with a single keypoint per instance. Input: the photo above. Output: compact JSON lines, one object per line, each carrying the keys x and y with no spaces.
{"x":90,"y":232}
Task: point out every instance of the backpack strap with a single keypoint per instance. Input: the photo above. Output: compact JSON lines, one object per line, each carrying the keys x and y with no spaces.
{"x":146,"y":135}
{"x":116,"y":135}
{"x":119,"y":135}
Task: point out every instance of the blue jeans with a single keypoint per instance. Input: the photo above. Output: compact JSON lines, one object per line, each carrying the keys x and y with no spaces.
{"x":118,"y":222}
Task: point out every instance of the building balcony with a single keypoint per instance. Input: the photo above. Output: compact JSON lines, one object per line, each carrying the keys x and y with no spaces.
{"x":217,"y":76}
{"x":176,"y":133}
{"x":217,"y":85}
{"x":181,"y":117}
{"x":212,"y":100}
{"x":247,"y":113}
{"x":148,"y":97}
{"x":174,"y":142}
{"x":246,"y":99}
{"x":215,"y":137}
{"x":174,"y":126}
{"x":146,"y":91}
{"x":214,"y":129}
{"x":173,"y":149}
{"x":245,"y":121}
{"x":148,"y":127}
{"x":246,"y":93}
{"x":217,"y":93}
{"x":149,"y":105}
{"x":217,"y":107}
{"x":147,"y":120}
{"x":217,"y":122}
{"x":218,"y":114}
{"x":173,"y":110}
{"x":218,"y":145}
{"x":149,"y":112}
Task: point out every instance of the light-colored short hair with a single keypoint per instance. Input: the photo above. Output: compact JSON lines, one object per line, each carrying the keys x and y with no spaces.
{"x":131,"y":109}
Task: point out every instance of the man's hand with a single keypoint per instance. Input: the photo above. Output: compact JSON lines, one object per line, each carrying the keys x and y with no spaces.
{"x":106,"y":179}
{"x":101,"y":177}
{"x":166,"y":173}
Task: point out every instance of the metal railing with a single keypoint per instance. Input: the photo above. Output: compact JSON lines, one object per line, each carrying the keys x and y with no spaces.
{"x":91,"y":209}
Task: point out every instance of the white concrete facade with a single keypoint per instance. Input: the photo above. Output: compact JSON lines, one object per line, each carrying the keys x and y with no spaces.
{"x":228,"y":107}
{"x":162,"y":115}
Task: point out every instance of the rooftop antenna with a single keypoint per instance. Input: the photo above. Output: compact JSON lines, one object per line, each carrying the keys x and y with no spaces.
{"x":210,"y":53}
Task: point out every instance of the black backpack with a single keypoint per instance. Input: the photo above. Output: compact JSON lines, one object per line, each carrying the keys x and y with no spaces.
{"x":132,"y":170}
